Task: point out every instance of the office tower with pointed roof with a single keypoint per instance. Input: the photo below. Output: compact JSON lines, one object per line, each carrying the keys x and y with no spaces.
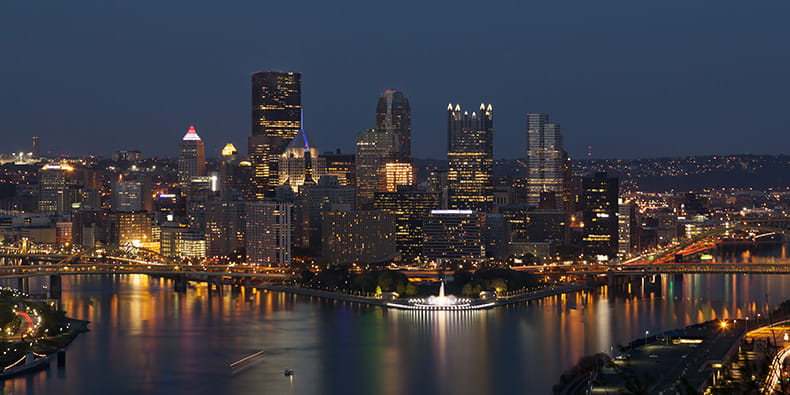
{"x":470,"y":157}
{"x":276,"y":119}
{"x":191,"y":157}
{"x":300,"y":164}
{"x":393,"y":115}
{"x":548,"y":167}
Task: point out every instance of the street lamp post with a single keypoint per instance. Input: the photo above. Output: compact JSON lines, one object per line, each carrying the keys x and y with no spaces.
{"x":646,"y":333}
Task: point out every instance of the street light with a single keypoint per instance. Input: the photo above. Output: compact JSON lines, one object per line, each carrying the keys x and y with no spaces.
{"x":646,"y":333}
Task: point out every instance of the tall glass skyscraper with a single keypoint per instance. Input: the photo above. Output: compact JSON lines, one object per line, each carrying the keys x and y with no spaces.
{"x":393,"y":115}
{"x":548,"y":165}
{"x":470,"y":156}
{"x":276,"y":119}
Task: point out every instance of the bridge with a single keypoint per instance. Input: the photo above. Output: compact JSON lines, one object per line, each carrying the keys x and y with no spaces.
{"x":127,"y":259}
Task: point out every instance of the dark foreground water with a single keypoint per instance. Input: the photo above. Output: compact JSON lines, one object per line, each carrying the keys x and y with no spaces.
{"x":145,"y":338}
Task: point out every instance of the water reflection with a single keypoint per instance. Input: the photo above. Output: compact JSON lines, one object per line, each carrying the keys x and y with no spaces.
{"x":145,"y":338}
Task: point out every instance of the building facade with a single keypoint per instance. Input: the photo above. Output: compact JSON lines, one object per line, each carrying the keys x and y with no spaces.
{"x":600,"y":206}
{"x":268,"y":233}
{"x":191,"y":157}
{"x":470,"y":158}
{"x":276,"y":119}
{"x":393,"y":115}
{"x":375,"y":148}
{"x":548,"y":167}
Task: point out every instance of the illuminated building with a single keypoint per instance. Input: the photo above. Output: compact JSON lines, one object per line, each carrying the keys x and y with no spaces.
{"x":517,"y":217}
{"x":170,"y":239}
{"x":235,"y":176}
{"x":191,"y":157}
{"x":343,"y":166}
{"x":268,"y":233}
{"x":410,"y":209}
{"x":398,"y":174}
{"x":470,"y":158}
{"x":455,"y":235}
{"x":276,"y":119}
{"x":374,"y":149}
{"x":548,"y":166}
{"x":328,"y":195}
{"x":393,"y":115}
{"x":225,"y":227}
{"x":53,"y":193}
{"x":127,"y":195}
{"x":363,"y":236}
{"x":193,"y":245}
{"x":130,"y":228}
{"x":600,"y":205}
{"x":300,"y":164}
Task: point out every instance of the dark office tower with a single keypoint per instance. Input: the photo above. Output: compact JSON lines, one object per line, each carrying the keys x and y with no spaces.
{"x":470,"y":158}
{"x":276,"y":119}
{"x":600,"y":206}
{"x":410,"y":208}
{"x":393,"y":115}
{"x":341,"y":165}
{"x":548,"y":168}
{"x":34,"y":149}
{"x":191,"y":158}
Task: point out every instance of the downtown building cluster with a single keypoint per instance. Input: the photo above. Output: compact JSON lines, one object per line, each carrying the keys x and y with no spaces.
{"x":286,"y":201}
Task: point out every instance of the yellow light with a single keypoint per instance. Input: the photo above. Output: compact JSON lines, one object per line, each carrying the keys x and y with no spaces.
{"x":723,"y":324}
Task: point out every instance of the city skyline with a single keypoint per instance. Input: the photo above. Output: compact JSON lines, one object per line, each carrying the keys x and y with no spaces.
{"x":669,"y":63}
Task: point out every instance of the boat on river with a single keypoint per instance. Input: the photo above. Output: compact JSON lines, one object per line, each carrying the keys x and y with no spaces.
{"x":30,"y":362}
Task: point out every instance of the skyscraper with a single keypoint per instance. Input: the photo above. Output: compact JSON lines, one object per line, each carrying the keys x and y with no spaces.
{"x":548,"y":166}
{"x":600,"y":207}
{"x":375,"y":148}
{"x":470,"y":157}
{"x":300,"y":164}
{"x":191,"y":157}
{"x":53,"y":184}
{"x":34,"y":149}
{"x":393,"y":115}
{"x":276,"y":119}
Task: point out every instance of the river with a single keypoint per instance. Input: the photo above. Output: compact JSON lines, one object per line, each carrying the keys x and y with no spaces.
{"x":146,"y":338}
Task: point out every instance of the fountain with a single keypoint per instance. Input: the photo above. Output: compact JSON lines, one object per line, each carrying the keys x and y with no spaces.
{"x":440,"y":302}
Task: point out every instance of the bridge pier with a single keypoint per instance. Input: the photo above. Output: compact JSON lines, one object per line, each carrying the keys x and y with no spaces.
{"x":55,"y":287}
{"x":180,"y":283}
{"x":23,"y":285}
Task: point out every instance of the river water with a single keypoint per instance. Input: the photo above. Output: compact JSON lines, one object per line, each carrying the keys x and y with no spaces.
{"x":145,"y":338}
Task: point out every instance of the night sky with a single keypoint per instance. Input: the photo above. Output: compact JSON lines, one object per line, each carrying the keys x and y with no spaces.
{"x":631,"y":78}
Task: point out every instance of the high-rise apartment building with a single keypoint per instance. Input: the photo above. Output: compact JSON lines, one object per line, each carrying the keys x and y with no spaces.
{"x":470,"y":157}
{"x":268,"y":233}
{"x":393,"y":115}
{"x":600,"y":206}
{"x":276,"y":119}
{"x":548,"y":166}
{"x":191,"y":157}
{"x":375,"y":148}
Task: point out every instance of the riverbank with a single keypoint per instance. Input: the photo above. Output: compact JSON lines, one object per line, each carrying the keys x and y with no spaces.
{"x":13,"y":350}
{"x":400,"y":303}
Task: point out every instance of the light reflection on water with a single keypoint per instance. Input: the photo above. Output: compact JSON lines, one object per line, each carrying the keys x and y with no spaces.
{"x":145,"y":338}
